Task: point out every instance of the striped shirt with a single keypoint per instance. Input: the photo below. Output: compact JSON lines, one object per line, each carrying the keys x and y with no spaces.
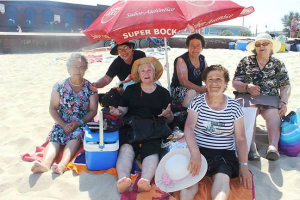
{"x":215,"y":128}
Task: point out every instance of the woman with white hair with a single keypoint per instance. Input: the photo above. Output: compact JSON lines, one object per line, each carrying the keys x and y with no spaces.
{"x":72,"y":104}
{"x":263,"y":82}
{"x":143,"y":99}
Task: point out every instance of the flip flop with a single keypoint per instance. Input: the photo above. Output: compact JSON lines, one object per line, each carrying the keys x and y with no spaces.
{"x":272,"y":154}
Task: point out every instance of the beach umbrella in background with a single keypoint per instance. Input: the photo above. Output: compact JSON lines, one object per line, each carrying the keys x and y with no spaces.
{"x":130,"y":19}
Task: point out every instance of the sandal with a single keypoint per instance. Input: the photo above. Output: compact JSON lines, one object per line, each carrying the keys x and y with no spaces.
{"x":253,"y":155}
{"x":272,"y":154}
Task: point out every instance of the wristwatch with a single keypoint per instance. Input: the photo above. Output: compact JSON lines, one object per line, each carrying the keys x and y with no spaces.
{"x":244,"y":164}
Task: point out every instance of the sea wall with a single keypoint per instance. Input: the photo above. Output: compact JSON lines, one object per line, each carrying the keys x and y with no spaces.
{"x":11,"y":43}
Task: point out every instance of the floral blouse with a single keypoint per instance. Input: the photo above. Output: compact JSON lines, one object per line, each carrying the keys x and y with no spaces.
{"x":270,"y":79}
{"x":72,"y":107}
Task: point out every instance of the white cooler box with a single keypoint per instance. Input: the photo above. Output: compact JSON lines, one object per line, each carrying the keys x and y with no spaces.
{"x":101,"y":148}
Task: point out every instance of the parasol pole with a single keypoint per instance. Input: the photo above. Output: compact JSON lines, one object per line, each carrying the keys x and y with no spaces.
{"x":167,"y":64}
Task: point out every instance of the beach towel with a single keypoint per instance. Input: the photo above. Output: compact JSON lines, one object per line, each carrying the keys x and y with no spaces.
{"x":237,"y":191}
{"x":39,"y":151}
{"x":77,"y":164}
{"x":154,"y":194}
{"x":94,"y":58}
{"x":77,"y":168}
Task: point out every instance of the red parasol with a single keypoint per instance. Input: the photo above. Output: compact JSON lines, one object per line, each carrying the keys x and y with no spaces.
{"x":128,"y":19}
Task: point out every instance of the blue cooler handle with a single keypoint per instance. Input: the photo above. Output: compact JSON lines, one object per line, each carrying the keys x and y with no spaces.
{"x":101,"y":137}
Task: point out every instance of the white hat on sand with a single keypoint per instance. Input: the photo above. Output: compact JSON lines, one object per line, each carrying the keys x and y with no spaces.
{"x":172,"y":175}
{"x":264,"y":36}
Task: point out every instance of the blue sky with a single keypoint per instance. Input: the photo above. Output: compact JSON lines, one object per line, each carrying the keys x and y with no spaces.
{"x":267,"y":15}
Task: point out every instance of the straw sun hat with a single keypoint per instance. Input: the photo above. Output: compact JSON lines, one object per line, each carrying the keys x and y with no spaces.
{"x":264,"y":36}
{"x":171,"y":174}
{"x":135,"y":67}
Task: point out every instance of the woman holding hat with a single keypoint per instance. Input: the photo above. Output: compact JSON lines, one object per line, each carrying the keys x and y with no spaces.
{"x":143,"y":99}
{"x":121,"y":66}
{"x":263,"y":81}
{"x":215,"y":123}
{"x":72,"y":104}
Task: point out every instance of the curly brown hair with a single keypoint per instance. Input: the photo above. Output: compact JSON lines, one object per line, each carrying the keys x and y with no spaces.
{"x":214,"y":68}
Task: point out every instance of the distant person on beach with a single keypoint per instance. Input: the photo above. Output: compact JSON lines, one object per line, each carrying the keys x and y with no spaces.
{"x":19,"y":29}
{"x":72,"y":105}
{"x":188,"y":68}
{"x":121,"y":66}
{"x":294,"y":24}
{"x":143,"y":99}
{"x":215,"y":129}
{"x":298,"y":28}
{"x":263,"y":82}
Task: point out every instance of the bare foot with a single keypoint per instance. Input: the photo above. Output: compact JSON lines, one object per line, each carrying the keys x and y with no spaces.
{"x":144,"y":185}
{"x":39,"y":168}
{"x":123,"y":184}
{"x":59,"y":169}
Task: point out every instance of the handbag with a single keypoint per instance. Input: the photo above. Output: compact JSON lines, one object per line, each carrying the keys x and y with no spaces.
{"x":289,"y":141}
{"x":146,"y":128}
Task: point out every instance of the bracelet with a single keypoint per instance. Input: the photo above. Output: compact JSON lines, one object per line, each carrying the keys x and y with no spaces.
{"x":283,"y":102}
{"x":81,"y":122}
{"x":244,"y":164}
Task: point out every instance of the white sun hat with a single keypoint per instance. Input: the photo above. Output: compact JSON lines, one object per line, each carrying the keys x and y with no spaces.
{"x":172,"y":175}
{"x":264,"y":36}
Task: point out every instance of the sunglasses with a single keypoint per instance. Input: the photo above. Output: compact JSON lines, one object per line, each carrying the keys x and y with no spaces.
{"x":264,"y":44}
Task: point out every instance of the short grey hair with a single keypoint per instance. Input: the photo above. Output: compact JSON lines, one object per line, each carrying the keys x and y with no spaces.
{"x":152,"y":66}
{"x":76,"y":56}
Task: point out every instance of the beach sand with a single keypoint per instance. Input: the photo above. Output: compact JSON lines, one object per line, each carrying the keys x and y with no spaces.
{"x":26,"y":84}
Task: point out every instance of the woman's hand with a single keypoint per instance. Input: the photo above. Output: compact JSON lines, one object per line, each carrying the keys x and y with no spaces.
{"x":93,"y":87}
{"x":253,"y":89}
{"x":115,"y":111}
{"x":245,"y":177}
{"x":282,"y":109}
{"x":195,"y":163}
{"x":127,"y":79}
{"x":166,"y":112}
{"x":68,"y":128}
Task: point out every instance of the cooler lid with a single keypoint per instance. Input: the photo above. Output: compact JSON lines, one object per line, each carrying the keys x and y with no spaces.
{"x":109,"y":137}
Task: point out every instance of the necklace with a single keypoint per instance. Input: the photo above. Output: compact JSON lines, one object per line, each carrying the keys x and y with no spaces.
{"x":75,"y":84}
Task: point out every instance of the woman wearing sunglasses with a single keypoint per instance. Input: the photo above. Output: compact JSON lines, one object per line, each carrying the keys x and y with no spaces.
{"x":263,"y":81}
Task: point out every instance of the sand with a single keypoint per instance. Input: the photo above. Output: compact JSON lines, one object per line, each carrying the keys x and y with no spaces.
{"x":26,"y":83}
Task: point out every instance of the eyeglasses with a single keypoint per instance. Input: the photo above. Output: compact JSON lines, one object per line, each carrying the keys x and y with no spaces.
{"x":264,"y":44}
{"x":80,"y":68}
{"x":123,"y":49}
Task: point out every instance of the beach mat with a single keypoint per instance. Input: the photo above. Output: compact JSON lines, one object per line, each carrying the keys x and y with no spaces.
{"x":154,"y":194}
{"x":39,"y":152}
{"x":237,"y":191}
{"x":94,"y":58}
{"x":77,"y":164}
